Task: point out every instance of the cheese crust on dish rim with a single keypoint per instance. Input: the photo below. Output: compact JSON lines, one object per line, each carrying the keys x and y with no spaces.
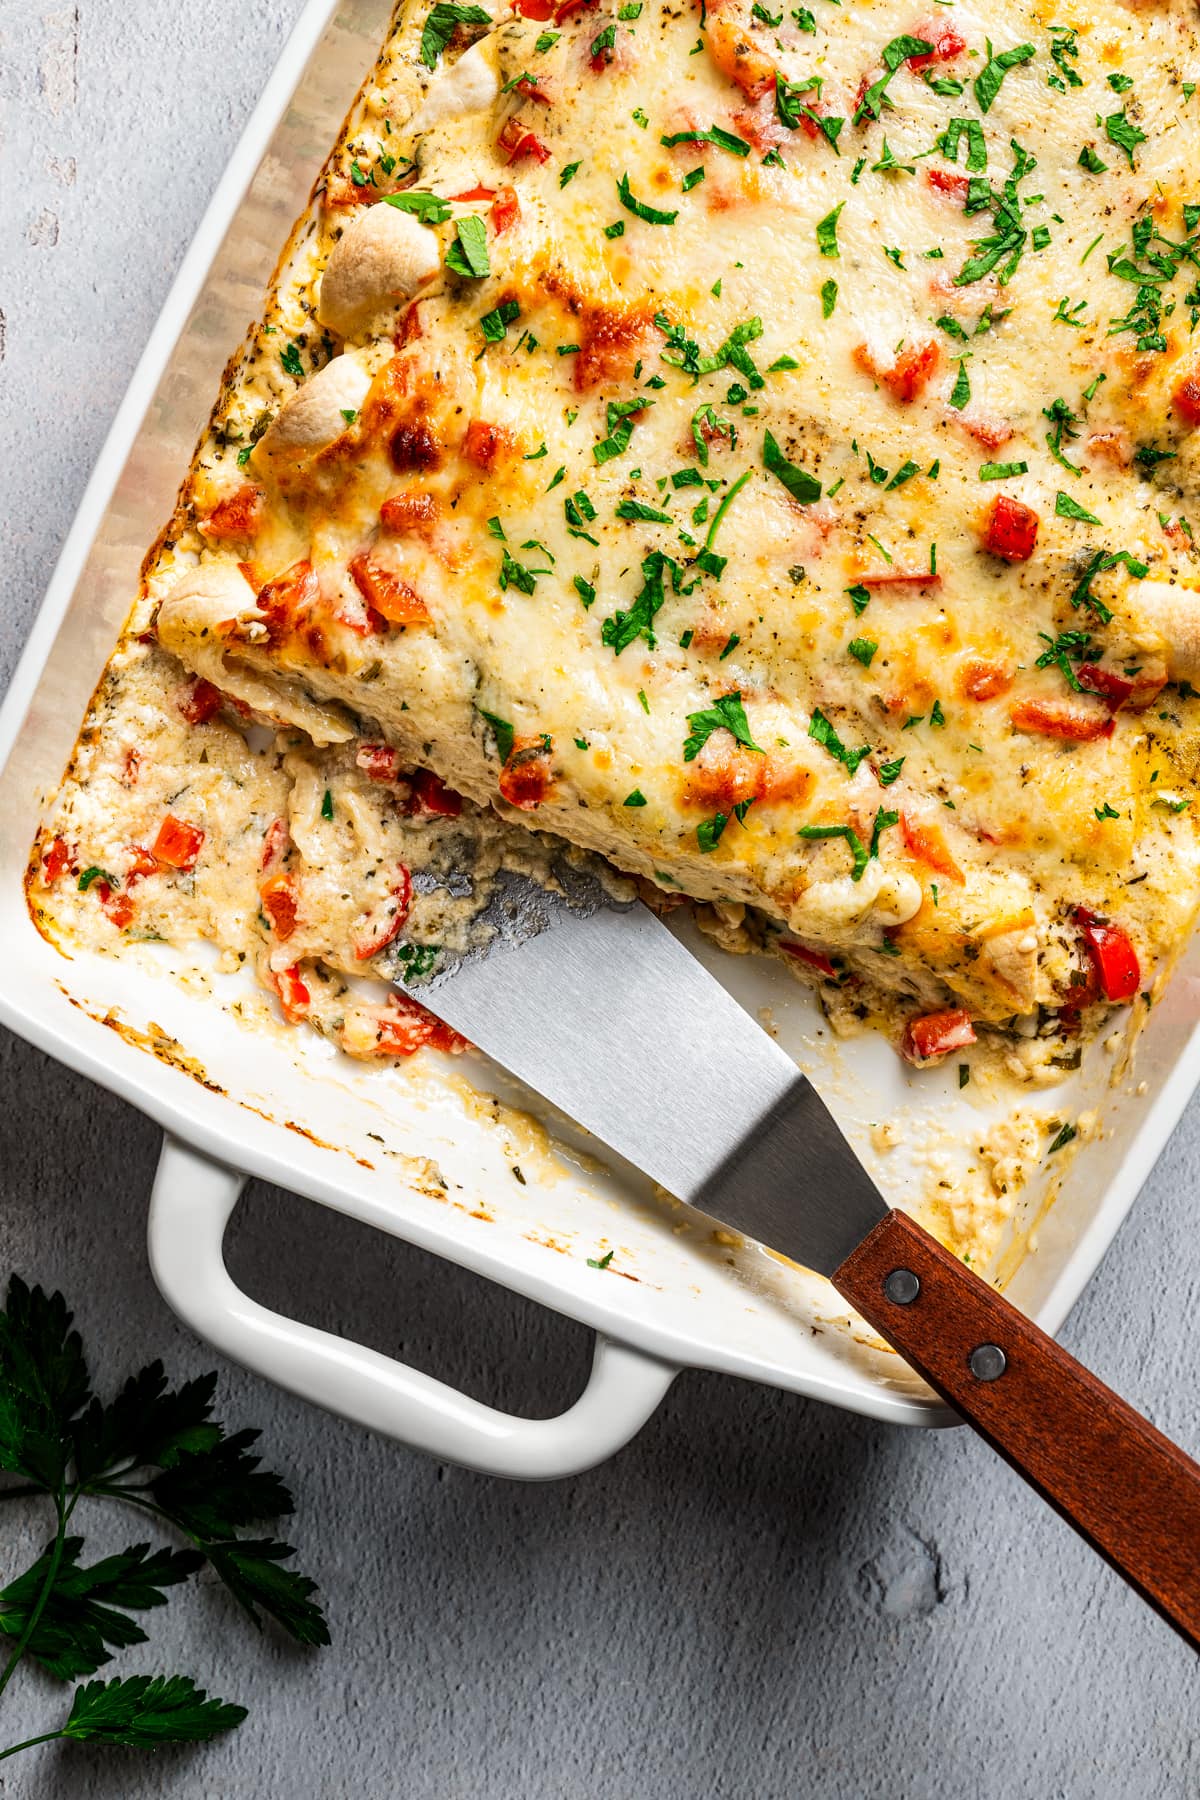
{"x":752,"y":448}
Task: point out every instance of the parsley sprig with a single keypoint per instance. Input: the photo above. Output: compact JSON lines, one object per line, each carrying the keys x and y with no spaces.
{"x":160,"y":1451}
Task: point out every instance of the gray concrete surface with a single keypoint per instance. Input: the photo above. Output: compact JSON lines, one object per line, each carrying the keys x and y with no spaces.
{"x":760,"y":1597}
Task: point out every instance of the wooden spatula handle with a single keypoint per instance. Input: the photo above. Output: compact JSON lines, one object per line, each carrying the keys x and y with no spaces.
{"x":1130,"y":1492}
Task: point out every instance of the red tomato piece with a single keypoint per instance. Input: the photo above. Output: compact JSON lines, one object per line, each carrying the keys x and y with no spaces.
{"x":476,"y":193}
{"x":1113,"y":955}
{"x":946,"y":44}
{"x":290,"y":594}
{"x":275,"y":843}
{"x":294,"y":996}
{"x":379,"y":761}
{"x":279,"y":902}
{"x":409,"y":511}
{"x":141,"y":863}
{"x":486,"y":444}
{"x":982,"y":680}
{"x":948,"y":183}
{"x":178,"y":844}
{"x":386,"y":593}
{"x":506,"y":209}
{"x":407,"y":1027}
{"x":1010,"y":529}
{"x":58,"y":860}
{"x":1070,"y":718}
{"x":1111,"y":687}
{"x":1186,"y":399}
{"x":119,"y":909}
{"x":813,"y":958}
{"x":926,"y":843}
{"x":383,"y":922}
{"x":199,"y":701}
{"x":526,"y":777}
{"x":936,"y":1034}
{"x":907,"y":377}
{"x":538,"y":10}
{"x":431,"y":798}
{"x":237,"y":516}
{"x":517,"y":142}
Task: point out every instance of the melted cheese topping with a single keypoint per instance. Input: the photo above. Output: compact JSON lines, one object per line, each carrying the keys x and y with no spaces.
{"x":757,"y":448}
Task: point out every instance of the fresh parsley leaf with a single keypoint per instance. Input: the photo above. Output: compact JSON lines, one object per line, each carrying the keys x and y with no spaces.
{"x":495,"y":324}
{"x":960,"y":394}
{"x":988,"y":81}
{"x":290,"y":358}
{"x":636,"y":798}
{"x":430,"y":209}
{"x":726,"y":713}
{"x":1121,"y":131}
{"x":640,"y":208}
{"x":569,"y":173}
{"x":637,"y":509}
{"x":799,"y":483}
{"x":895,"y":53}
{"x":993,"y":471}
{"x":85,"y":1615}
{"x":1089,"y":160}
{"x":468,"y":254}
{"x":144,"y":1711}
{"x":823,"y":733}
{"x":829,"y":294}
{"x":1066,"y":508}
{"x":621,"y":629}
{"x":724,"y":140}
{"x":708,"y":832}
{"x":502,"y":731}
{"x":827,"y":242}
{"x":440,"y":27}
{"x":863,"y":650}
{"x":890,"y":771}
{"x":250,"y":1570}
{"x":858,"y":850}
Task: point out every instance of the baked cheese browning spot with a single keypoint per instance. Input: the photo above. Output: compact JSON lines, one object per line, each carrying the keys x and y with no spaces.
{"x":563,"y":473}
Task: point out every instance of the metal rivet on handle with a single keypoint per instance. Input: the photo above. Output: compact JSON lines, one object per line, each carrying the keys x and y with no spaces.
{"x":901,"y":1287}
{"x":987,"y":1362}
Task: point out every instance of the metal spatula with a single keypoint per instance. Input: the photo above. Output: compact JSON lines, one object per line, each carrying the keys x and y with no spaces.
{"x":595,"y":1005}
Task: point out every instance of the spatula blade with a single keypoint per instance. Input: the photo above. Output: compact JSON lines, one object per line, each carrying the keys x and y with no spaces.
{"x":597,"y":1006}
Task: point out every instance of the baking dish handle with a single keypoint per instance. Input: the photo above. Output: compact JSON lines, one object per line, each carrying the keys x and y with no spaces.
{"x":190,"y":1207}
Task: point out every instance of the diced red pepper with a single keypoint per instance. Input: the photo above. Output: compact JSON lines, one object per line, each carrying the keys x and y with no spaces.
{"x":946,"y":44}
{"x":1010,"y":529}
{"x":526,"y":777}
{"x":407,"y":1027}
{"x":379,"y":761}
{"x":384,"y":921}
{"x":1069,"y":718}
{"x":813,"y":958}
{"x":178,"y":844}
{"x":517,"y":142}
{"x":1186,"y":399}
{"x":275,"y":843}
{"x":506,"y":209}
{"x":294,"y":996}
{"x":288,"y":595}
{"x":386,"y":593}
{"x":58,"y":860}
{"x":906,"y":377}
{"x":476,"y":193}
{"x":926,"y":842}
{"x":936,"y":1034}
{"x":1113,"y":955}
{"x":431,"y":798}
{"x":237,"y":516}
{"x":1111,"y":687}
{"x":120,"y":909}
{"x":538,"y":10}
{"x":983,"y":680}
{"x":281,"y":905}
{"x":947,"y":182}
{"x":199,"y":701}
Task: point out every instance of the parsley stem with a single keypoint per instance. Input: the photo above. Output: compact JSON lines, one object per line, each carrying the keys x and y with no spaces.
{"x":47,"y":1589}
{"x":726,"y":503}
{"x":47,"y":1737}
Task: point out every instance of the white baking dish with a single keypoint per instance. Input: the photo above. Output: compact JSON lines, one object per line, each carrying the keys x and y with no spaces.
{"x":235,"y":1101}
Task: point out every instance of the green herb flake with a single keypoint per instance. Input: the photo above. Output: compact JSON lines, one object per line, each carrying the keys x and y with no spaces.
{"x":640,"y":208}
{"x":440,"y":26}
{"x":468,"y":254}
{"x":799,"y":483}
{"x":827,"y":241}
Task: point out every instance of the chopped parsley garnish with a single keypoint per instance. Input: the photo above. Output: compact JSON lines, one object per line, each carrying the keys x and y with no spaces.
{"x":898,"y":51}
{"x":858,"y":849}
{"x":993,"y":471}
{"x":637,"y":798}
{"x":468,"y":254}
{"x":441,"y":24}
{"x":823,"y":733}
{"x":621,"y":629}
{"x":708,"y":832}
{"x":515,"y":574}
{"x":1064,"y":1137}
{"x":96,"y":874}
{"x":601,"y":1262}
{"x":827,"y":242}
{"x":862,"y":650}
{"x":725,"y":714}
{"x":651,"y":214}
{"x":494,"y":324}
{"x":1067,"y":648}
{"x":1122,"y":132}
{"x":547,"y":41}
{"x":620,"y":417}
{"x":1100,"y":562}
{"x":1006,"y":242}
{"x":988,"y":82}
{"x":890,"y":771}
{"x":430,"y":209}
{"x":692,"y":179}
{"x":829,"y":294}
{"x":569,"y":173}
{"x":883,"y":822}
{"x":960,"y":394}
{"x":637,"y":509}
{"x":1066,"y":508}
{"x":290,"y":358}
{"x":718,"y":427}
{"x":860,"y":598}
{"x":1063,"y":422}
{"x":502,"y":731}
{"x":799,"y":483}
{"x":726,"y":503}
{"x":327,"y":805}
{"x":724,"y":140}
{"x":790,"y":109}
{"x":1089,"y":160}
{"x":584,"y":589}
